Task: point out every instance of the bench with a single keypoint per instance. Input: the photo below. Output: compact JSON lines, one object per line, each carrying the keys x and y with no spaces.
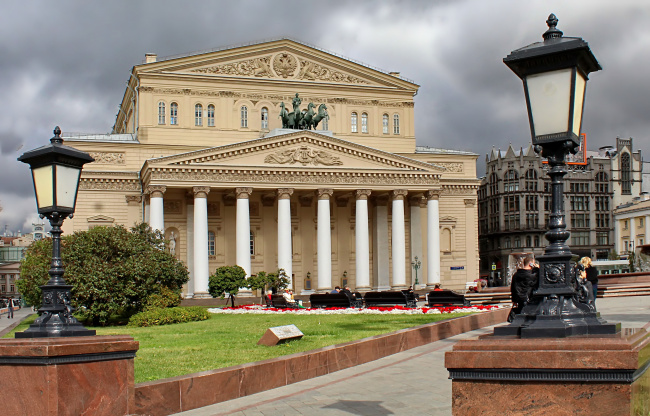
{"x":446,"y":298}
{"x":335,"y":300}
{"x":390,"y":297}
{"x":278,"y":301}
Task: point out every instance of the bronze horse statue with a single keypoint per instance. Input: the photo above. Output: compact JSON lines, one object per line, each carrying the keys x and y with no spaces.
{"x":306,"y":122}
{"x":322,"y":114}
{"x":290,"y":120}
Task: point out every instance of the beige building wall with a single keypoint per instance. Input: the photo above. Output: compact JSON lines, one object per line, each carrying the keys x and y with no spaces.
{"x":143,"y":152}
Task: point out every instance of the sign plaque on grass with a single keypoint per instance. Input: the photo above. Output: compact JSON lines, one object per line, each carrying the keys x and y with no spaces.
{"x":279,"y":334}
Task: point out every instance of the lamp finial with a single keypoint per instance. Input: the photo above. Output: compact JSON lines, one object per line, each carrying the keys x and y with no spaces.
{"x":57,"y":136}
{"x":553,"y":32}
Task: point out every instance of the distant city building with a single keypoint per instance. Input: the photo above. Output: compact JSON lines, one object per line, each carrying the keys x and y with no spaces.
{"x":514,"y":204}
{"x":632,"y":225}
{"x":9,"y":273}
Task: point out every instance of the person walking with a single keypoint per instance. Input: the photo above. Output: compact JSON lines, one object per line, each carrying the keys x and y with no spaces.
{"x":10,"y":313}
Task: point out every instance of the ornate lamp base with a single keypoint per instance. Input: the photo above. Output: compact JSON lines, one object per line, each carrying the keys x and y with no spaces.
{"x":555,"y":311}
{"x":56,"y":319}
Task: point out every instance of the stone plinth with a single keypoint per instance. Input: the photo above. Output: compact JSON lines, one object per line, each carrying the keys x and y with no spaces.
{"x":68,"y":376}
{"x":576,"y":375}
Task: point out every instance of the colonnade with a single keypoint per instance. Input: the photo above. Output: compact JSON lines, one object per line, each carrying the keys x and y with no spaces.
{"x":197,"y":223}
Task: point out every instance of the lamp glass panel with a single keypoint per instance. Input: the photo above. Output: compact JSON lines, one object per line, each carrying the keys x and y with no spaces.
{"x":549,"y":94}
{"x":581,"y":84}
{"x":67,"y":181}
{"x":43,"y":185}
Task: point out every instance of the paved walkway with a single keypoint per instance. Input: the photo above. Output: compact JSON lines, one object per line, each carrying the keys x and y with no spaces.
{"x":413,"y":382}
{"x":7,"y":325}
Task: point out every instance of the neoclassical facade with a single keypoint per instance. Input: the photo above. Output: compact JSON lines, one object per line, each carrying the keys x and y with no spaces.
{"x":200,"y":152}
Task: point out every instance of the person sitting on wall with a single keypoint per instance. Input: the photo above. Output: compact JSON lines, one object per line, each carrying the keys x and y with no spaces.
{"x":523,"y":283}
{"x":592,"y":275}
{"x":336,"y":290}
{"x":288,"y":297}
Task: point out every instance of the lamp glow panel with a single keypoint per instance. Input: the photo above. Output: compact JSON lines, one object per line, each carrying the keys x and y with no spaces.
{"x":56,"y":186}
{"x":549,"y":96}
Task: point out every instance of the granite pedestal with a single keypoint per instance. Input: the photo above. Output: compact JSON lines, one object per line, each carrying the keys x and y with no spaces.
{"x":67,"y":376}
{"x":499,"y":375}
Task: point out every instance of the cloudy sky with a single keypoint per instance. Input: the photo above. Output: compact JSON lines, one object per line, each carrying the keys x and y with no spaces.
{"x":66,"y":63}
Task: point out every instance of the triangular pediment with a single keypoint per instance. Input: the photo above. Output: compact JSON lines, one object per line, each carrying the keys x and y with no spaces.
{"x":282,"y":59}
{"x":299,"y":149}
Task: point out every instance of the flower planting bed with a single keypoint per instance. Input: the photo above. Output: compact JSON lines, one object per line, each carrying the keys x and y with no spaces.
{"x":374,"y":310}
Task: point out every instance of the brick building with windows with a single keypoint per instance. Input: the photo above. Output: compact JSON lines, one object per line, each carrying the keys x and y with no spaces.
{"x":514,"y":202}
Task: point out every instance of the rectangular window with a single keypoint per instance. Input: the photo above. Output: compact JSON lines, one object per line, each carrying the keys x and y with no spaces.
{"x":353,"y":122}
{"x":211,"y":116}
{"x":579,"y":220}
{"x":580,"y":238}
{"x":364,"y":123}
{"x":396,"y":124}
{"x":602,"y":238}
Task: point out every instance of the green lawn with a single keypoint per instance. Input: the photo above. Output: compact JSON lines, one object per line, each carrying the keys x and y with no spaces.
{"x":226,"y":340}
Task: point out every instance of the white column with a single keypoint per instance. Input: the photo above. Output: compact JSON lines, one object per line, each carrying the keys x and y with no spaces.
{"x":324,"y":240}
{"x":147,"y":210}
{"x":157,"y":213}
{"x":646,"y":237}
{"x":618,"y":223}
{"x":201,"y":265}
{"x":362,"y":243}
{"x":190,"y":246}
{"x":243,"y":231}
{"x":285,"y":255}
{"x":398,"y":240}
{"x":433,"y":238}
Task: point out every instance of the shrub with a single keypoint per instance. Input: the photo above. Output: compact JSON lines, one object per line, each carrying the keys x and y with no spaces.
{"x":112,"y":270}
{"x":167,"y":298}
{"x":153,"y":317}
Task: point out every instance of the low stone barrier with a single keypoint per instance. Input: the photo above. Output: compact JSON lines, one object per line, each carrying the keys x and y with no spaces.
{"x":177,"y":394}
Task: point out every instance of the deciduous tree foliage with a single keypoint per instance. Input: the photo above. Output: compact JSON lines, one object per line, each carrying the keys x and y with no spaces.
{"x":227,"y":279}
{"x":112,"y":270}
{"x":265,"y":281}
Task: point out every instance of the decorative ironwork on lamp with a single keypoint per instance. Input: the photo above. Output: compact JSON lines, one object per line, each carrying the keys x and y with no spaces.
{"x":554,"y":73}
{"x":56,"y":170}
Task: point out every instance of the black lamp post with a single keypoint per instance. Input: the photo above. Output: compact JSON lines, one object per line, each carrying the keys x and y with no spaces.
{"x":554,"y":73}
{"x":416,"y":264}
{"x":56,"y":170}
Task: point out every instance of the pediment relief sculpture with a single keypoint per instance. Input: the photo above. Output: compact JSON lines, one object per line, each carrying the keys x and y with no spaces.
{"x":305,"y":156}
{"x":283,"y":65}
{"x":256,"y":67}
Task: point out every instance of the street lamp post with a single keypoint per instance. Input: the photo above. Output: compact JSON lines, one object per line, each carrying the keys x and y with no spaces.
{"x":554,"y":73}
{"x":55,"y":171}
{"x":416,"y":264}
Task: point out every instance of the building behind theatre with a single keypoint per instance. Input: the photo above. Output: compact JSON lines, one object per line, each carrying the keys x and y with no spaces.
{"x":198,"y":150}
{"x":515,"y":201}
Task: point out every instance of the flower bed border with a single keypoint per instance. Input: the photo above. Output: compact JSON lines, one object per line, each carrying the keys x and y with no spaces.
{"x":177,"y":394}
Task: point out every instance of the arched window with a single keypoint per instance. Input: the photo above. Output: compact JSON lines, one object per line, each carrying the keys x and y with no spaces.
{"x":395,"y":123}
{"x":511,"y":181}
{"x":198,"y":115}
{"x":210,"y":115}
{"x":265,"y":118}
{"x":364,"y":123}
{"x":626,"y":174}
{"x":211,"y":244}
{"x":173,"y":113}
{"x":252,"y":244}
{"x":353,"y":122}
{"x":384,"y":123}
{"x":161,"y":113}
{"x":244,"y":116}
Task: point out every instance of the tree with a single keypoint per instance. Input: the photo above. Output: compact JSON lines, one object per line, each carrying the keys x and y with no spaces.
{"x":612,"y":255}
{"x":112,"y":270}
{"x":227,"y":279}
{"x":264,"y":281}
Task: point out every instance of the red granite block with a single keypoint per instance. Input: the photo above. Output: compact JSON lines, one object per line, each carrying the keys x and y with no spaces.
{"x":158,"y":398}
{"x":261,"y":376}
{"x":304,"y":366}
{"x":208,"y":387}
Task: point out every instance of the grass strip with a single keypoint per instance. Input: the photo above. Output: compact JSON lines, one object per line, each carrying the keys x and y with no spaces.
{"x":227,"y":340}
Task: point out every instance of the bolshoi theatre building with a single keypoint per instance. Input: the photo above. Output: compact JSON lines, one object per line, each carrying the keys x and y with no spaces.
{"x":282,"y":155}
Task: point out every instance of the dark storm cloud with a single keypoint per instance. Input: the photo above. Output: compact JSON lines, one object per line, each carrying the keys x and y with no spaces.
{"x":66,"y":63}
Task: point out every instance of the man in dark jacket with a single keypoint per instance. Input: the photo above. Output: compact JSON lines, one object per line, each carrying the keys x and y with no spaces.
{"x":523,"y":283}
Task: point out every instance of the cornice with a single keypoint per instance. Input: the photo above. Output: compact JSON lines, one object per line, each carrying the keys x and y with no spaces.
{"x":278,"y":142}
